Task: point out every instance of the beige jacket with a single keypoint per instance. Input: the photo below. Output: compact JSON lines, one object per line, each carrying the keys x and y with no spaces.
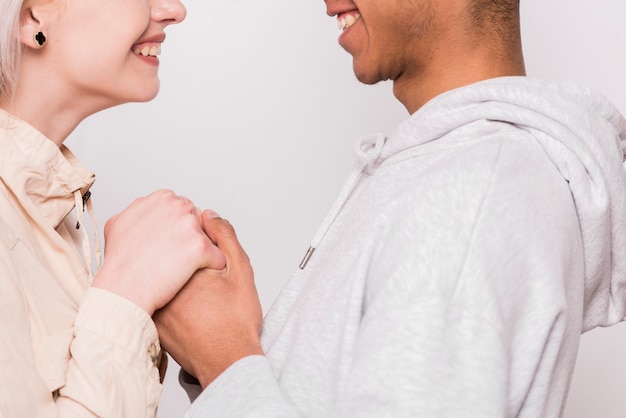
{"x":66,"y":350}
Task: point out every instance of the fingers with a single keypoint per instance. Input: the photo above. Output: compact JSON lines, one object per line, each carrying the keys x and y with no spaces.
{"x":179,"y":202}
{"x":210,"y":213}
{"x":168,"y":219}
{"x":156,"y":243}
{"x":214,"y":257}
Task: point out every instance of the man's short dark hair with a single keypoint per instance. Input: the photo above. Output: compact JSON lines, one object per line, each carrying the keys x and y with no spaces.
{"x":500,"y":16}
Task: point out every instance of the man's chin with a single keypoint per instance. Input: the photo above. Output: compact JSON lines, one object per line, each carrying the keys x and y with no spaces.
{"x":366,"y":77}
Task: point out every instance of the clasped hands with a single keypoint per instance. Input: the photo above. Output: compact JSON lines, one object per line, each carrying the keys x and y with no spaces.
{"x":187,"y":269}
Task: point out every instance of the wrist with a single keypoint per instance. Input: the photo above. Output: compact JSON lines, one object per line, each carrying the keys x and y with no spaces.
{"x":125,"y":288}
{"x":207,"y":374}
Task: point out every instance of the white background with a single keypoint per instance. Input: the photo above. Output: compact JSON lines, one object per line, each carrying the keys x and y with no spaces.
{"x":257,"y":116}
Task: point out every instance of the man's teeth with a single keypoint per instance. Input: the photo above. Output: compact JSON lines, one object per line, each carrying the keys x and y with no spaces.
{"x":152,"y":51}
{"x":345,"y":22}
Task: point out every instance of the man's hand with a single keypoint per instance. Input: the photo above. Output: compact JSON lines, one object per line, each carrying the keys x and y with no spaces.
{"x":216,"y":318}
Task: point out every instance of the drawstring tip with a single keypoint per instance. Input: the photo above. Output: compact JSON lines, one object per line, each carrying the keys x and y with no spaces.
{"x":86,"y":197}
{"x":306,"y":258}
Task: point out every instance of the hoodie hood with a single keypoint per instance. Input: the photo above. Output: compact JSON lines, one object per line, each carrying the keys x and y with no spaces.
{"x":582,"y":133}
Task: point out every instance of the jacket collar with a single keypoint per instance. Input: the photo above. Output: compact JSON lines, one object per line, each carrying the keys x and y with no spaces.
{"x":42,"y":176}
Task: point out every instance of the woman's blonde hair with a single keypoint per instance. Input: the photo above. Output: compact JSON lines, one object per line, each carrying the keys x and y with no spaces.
{"x":10,"y":46}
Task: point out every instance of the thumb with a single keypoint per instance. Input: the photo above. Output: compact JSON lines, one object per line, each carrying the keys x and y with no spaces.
{"x":222,"y":233}
{"x":215,"y":257}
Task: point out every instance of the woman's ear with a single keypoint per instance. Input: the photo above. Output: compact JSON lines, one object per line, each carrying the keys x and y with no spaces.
{"x":32,"y":30}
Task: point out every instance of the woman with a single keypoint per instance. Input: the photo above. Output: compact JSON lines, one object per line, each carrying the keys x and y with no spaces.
{"x":75,"y":343}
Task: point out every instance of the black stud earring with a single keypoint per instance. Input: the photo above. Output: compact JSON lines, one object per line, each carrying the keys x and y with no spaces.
{"x":40,"y":38}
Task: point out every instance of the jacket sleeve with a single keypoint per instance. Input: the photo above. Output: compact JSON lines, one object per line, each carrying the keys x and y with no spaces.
{"x":110,"y":372}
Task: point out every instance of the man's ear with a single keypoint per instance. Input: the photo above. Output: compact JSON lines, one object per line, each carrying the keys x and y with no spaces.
{"x":32,"y":30}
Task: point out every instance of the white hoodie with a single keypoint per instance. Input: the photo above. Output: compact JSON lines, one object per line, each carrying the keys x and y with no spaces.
{"x":467,"y":253}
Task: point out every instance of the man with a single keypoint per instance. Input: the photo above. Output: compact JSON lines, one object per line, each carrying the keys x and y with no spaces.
{"x":465,"y":255}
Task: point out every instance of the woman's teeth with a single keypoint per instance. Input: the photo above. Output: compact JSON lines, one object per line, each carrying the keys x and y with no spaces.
{"x":346,"y":21}
{"x":146,"y":51}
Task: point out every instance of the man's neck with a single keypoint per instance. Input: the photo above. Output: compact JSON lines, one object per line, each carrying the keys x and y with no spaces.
{"x":457,"y":64}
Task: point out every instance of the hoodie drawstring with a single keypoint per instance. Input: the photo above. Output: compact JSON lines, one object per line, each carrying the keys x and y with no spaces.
{"x":368,"y":150}
{"x":82,"y":202}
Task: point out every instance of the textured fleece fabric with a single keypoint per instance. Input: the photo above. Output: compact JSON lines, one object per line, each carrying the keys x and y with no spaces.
{"x":468,"y":253}
{"x":65,"y":350}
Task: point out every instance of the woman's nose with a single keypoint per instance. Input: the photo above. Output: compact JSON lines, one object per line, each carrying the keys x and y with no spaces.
{"x":168,"y":11}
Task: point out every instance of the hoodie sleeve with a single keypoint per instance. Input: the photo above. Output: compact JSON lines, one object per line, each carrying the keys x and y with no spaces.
{"x":246,"y":389}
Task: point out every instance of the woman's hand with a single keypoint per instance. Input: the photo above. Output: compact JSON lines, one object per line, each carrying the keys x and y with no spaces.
{"x":153,"y":247}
